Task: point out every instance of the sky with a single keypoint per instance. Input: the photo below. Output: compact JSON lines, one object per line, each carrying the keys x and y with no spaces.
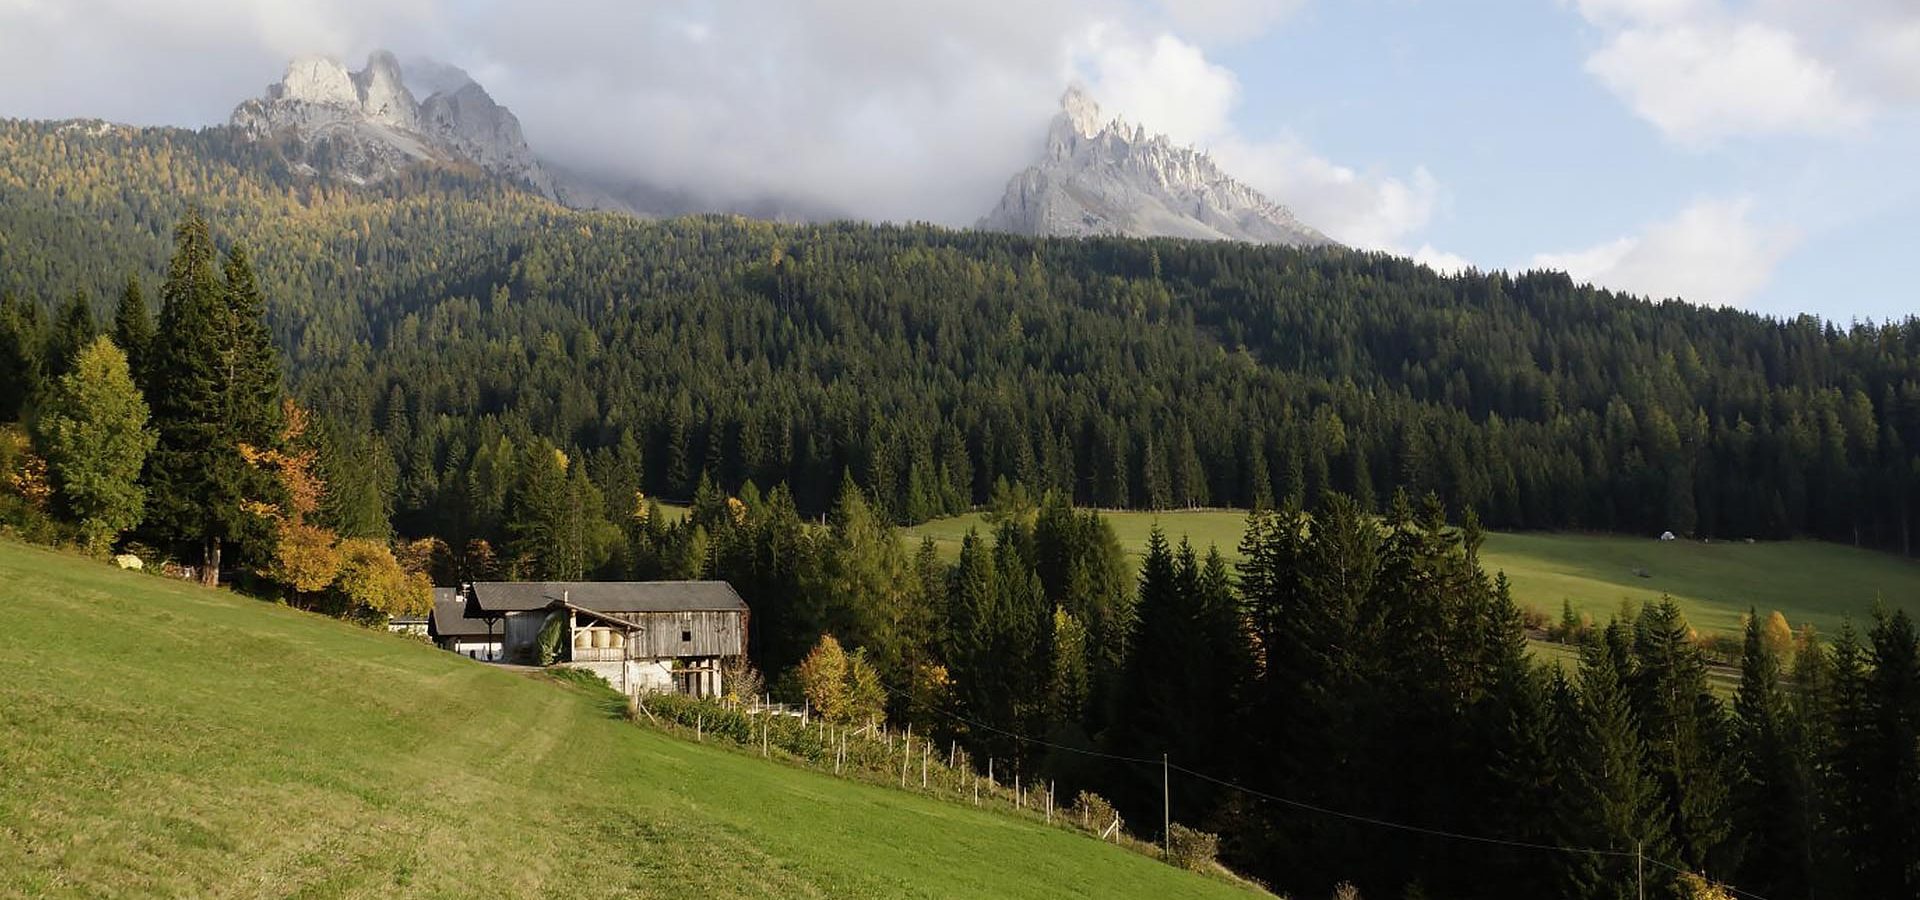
{"x":1751,"y":153}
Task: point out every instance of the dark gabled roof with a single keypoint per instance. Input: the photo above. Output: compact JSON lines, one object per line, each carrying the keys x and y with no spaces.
{"x":449,"y":617}
{"x":496,"y":597}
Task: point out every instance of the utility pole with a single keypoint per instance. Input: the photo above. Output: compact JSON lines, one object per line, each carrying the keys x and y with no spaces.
{"x":1166,"y":806}
{"x":1640,"y":869}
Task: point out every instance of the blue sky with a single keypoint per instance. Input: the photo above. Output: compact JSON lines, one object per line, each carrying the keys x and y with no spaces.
{"x":1536,"y":155}
{"x":1757,"y":153}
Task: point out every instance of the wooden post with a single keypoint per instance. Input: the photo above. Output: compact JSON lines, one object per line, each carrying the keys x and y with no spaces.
{"x":700,"y":728}
{"x":953,"y":754}
{"x":925,"y":750}
{"x":1016,"y":791}
{"x":1166,"y":804}
{"x":1049,"y":803}
{"x":990,"y":781}
{"x":766,"y":721}
{"x":976,"y":789}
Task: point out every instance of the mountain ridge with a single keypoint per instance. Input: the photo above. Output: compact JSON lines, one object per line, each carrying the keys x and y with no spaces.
{"x":366,"y":126}
{"x":1102,"y":176}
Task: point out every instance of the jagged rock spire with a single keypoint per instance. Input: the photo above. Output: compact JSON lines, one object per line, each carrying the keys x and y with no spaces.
{"x":1105,"y":176}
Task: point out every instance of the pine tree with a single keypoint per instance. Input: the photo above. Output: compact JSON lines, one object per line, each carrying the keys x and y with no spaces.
{"x":133,"y":329}
{"x":1771,"y":794}
{"x":543,"y":516}
{"x":1683,"y":726}
{"x":1607,"y":800}
{"x":1889,"y":852}
{"x":74,"y":329}
{"x":94,"y":436}
{"x":216,"y":388}
{"x":22,"y":366}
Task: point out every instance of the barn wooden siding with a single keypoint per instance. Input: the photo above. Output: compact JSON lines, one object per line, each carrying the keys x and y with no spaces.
{"x":658,"y":634}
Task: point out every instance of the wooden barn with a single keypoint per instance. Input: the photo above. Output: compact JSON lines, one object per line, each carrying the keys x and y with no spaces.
{"x":641,"y":636}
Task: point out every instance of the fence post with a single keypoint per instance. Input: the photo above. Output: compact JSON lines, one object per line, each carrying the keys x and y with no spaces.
{"x":1049,"y":803}
{"x":700,"y":728}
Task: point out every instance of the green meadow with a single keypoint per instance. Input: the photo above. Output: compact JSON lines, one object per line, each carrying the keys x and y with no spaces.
{"x":161,"y":739}
{"x":1715,"y":583}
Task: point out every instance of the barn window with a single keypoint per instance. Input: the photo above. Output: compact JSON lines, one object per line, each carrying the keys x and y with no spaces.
{"x":686,"y":636}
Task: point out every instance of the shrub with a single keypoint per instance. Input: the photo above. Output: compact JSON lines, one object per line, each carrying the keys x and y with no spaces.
{"x":1191,"y":848}
{"x":580,"y":678}
{"x":549,"y":642}
{"x":740,"y":679}
{"x":1533,"y":618}
{"x":1094,"y":810}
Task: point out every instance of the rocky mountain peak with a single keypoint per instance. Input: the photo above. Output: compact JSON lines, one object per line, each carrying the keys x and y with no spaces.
{"x":1109,"y":177}
{"x":316,"y":79}
{"x":383,"y":92}
{"x":1080,"y":112}
{"x":371,"y":124}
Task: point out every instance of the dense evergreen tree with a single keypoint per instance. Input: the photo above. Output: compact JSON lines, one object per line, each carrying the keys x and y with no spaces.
{"x":22,"y":366}
{"x":74,"y":329}
{"x":216,"y":389}
{"x":133,"y":329}
{"x":1772,"y":794}
{"x":1608,"y":801}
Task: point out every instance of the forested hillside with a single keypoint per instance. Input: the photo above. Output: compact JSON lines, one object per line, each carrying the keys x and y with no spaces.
{"x":483,"y":385}
{"x":443,"y":312}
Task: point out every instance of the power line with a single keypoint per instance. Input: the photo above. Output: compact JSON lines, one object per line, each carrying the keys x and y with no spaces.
{"x":1301,"y":804}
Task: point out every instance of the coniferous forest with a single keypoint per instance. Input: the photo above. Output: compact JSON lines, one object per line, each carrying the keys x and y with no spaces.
{"x":332,"y":394}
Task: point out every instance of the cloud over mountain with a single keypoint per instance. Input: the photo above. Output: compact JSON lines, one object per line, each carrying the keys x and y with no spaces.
{"x":882,"y":110}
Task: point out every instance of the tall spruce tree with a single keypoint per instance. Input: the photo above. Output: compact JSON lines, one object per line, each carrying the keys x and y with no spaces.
{"x":1889,"y":855}
{"x":1683,"y":726}
{"x":133,"y":329}
{"x":215,"y":388}
{"x":74,"y":328}
{"x":1607,"y":799}
{"x":22,"y":356}
{"x":1770,"y":796}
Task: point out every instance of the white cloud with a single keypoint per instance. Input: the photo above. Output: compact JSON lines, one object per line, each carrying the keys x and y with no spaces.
{"x":1643,"y":11}
{"x":1441,"y":261}
{"x":1711,"y":252}
{"x":1227,"y":21}
{"x":1168,"y":86}
{"x":875,"y":108}
{"x":1698,"y":83}
{"x":1702,"y":70}
{"x":1162,"y":82}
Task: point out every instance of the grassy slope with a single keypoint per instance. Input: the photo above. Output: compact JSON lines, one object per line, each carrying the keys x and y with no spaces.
{"x":157,"y":738}
{"x":1715,"y":583}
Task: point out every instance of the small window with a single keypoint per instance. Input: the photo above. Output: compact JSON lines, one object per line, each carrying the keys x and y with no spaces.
{"x":686,"y":636}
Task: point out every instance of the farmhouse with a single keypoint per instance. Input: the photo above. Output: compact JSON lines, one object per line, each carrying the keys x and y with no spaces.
{"x":450,"y":628}
{"x":641,"y":636}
